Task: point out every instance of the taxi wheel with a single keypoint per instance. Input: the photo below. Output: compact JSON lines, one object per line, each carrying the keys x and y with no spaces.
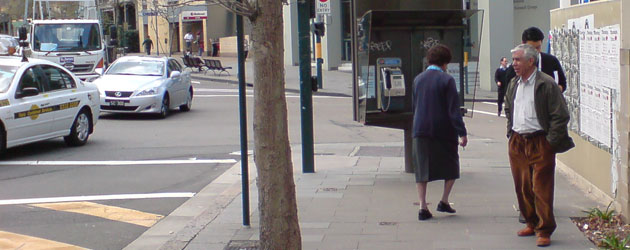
{"x":80,"y":130}
{"x":3,"y":141}
{"x":186,"y":106}
{"x":165,"y":107}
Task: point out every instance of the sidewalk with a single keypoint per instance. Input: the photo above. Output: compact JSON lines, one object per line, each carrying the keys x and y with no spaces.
{"x":360,"y":198}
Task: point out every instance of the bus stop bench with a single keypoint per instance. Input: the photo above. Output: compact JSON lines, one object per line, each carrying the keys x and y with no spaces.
{"x":215,"y":66}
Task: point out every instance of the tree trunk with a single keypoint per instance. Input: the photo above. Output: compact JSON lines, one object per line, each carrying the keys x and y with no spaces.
{"x":279,"y":228}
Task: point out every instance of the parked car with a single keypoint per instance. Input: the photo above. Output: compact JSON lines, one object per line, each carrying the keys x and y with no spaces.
{"x":40,"y":100}
{"x":9,"y":45}
{"x":140,"y":84}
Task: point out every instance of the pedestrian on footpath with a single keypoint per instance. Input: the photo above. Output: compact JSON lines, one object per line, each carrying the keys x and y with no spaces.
{"x":537,"y":129}
{"x":546,"y":63}
{"x":500,"y":78}
{"x":148,"y":44}
{"x":188,"y":38}
{"x":200,"y":43}
{"x":437,"y":128}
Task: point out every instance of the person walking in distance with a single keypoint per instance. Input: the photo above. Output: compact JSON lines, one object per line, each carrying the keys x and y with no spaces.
{"x":438,"y":128}
{"x":537,"y":118}
{"x":148,"y":44}
{"x":200,"y":43}
{"x":188,"y":39}
{"x":500,"y":78}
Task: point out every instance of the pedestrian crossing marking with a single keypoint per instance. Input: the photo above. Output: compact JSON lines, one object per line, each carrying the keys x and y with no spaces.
{"x":19,"y":241}
{"x":104,"y":211}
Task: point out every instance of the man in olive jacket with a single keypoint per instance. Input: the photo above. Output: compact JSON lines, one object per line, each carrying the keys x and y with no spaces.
{"x":537,"y":129}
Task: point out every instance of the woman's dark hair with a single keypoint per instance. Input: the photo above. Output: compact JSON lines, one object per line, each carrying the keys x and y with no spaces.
{"x":439,"y":55}
{"x":532,"y":34}
{"x":501,"y":60}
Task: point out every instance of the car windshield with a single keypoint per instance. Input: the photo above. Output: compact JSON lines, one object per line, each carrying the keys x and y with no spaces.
{"x":143,"y":68}
{"x":67,"y":37}
{"x":6,"y":76}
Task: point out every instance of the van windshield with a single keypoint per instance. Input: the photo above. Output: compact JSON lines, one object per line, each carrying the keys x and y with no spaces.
{"x":6,"y":76}
{"x":67,"y":37}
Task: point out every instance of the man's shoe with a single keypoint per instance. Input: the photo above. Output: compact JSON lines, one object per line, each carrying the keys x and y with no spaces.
{"x":424,"y":214}
{"x":445,"y":207}
{"x":543,"y":241}
{"x":527,"y":231}
{"x":521,"y":219}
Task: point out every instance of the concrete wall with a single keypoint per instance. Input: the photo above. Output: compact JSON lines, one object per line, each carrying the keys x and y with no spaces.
{"x":495,"y":39}
{"x":289,"y":15}
{"x":586,"y":160}
{"x":528,"y":13}
{"x":331,"y":42}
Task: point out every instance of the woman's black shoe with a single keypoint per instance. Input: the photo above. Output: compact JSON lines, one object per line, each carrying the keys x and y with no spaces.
{"x":424,"y":214}
{"x":445,"y":207}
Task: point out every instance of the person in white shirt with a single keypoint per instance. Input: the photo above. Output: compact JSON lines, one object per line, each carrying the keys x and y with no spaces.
{"x":188,"y":39}
{"x":537,"y":116}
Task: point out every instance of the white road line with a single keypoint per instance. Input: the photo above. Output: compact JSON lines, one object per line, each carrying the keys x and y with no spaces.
{"x":487,"y":113}
{"x":491,"y":103}
{"x":249,"y":152}
{"x":97,"y":198}
{"x":195,"y":82}
{"x":114,"y":163}
{"x":223,"y":90}
{"x":288,"y":96}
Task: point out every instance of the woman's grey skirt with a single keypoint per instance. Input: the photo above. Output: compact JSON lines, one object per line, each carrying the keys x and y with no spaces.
{"x":435,"y":159}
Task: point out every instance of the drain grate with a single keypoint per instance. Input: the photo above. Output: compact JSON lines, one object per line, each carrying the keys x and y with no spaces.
{"x":390,"y":151}
{"x":242,"y":245}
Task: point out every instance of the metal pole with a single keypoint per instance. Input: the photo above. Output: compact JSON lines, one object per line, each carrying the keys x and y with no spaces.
{"x":306,"y":91}
{"x":242,"y":100}
{"x":25,"y":12}
{"x":320,"y":60}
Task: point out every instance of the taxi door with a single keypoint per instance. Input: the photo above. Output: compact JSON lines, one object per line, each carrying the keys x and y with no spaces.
{"x":64,"y":98}
{"x":31,"y":115}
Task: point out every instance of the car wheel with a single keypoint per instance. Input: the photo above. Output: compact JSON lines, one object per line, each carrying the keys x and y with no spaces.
{"x":80,"y":130}
{"x":165,"y":107}
{"x":188,"y":105}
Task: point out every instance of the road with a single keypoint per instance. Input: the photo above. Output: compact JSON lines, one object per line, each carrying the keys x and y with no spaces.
{"x":136,"y":169}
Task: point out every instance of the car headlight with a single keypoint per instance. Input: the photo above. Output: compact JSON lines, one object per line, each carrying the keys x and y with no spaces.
{"x":151,"y":91}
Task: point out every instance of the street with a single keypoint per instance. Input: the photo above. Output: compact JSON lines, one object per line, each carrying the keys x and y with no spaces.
{"x":67,"y":195}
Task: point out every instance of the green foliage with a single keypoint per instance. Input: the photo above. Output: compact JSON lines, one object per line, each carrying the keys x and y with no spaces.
{"x":131,"y":40}
{"x":612,"y":242}
{"x":606,"y":215}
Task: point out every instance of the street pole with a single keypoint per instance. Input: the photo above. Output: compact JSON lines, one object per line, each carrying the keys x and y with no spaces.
{"x":306,"y":91}
{"x":320,"y":60}
{"x":243,"y":117}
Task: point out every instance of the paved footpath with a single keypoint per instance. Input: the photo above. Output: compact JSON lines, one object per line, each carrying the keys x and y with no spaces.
{"x":360,"y":198}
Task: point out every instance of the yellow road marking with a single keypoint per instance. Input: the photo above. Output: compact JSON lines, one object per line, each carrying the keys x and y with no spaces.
{"x":108,"y":212}
{"x":19,"y":241}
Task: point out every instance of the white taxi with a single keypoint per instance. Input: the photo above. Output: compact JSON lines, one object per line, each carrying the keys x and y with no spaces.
{"x":40,"y":100}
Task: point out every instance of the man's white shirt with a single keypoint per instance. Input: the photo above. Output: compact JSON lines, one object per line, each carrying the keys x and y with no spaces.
{"x":525,"y":119}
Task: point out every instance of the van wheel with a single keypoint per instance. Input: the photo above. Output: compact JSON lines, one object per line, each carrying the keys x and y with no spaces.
{"x":80,"y":130}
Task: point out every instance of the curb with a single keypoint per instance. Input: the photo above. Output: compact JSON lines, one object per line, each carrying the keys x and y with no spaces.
{"x":177,"y":229}
{"x":252,"y":85}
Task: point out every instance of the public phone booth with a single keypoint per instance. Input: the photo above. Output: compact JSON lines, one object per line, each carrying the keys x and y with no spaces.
{"x":390,"y":47}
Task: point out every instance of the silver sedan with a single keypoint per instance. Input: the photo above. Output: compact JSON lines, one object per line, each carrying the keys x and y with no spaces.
{"x":138,"y":84}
